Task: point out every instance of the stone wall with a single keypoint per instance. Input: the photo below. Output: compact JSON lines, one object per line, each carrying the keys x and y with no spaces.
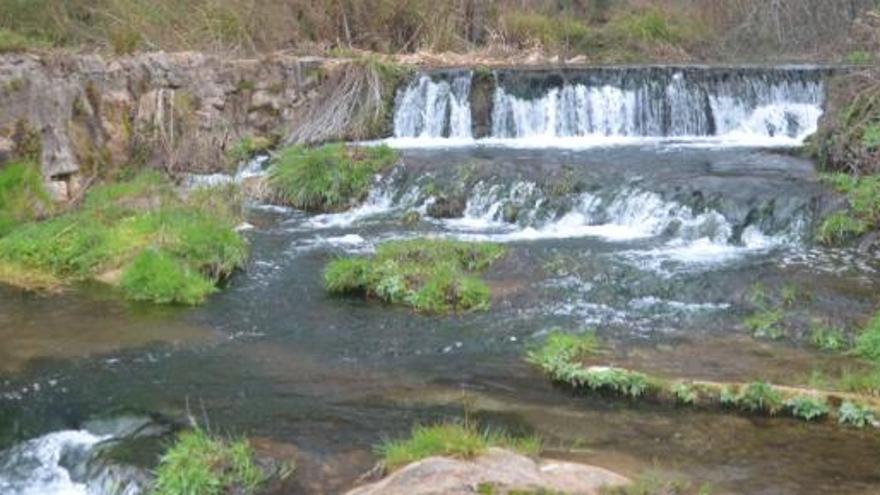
{"x":82,"y":115}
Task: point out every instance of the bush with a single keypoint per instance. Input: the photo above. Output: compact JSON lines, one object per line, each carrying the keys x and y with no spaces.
{"x":199,"y":464}
{"x":429,"y":275}
{"x":22,"y":196}
{"x":332,"y":177}
{"x":158,"y":276}
{"x":451,"y":440}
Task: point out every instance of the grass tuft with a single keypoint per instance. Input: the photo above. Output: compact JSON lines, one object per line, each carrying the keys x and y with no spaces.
{"x":199,"y":464}
{"x":435,"y":276}
{"x":22,"y":195}
{"x":760,"y":397}
{"x":807,"y":407}
{"x":868,"y":342}
{"x":332,"y":177}
{"x":158,"y":276}
{"x":450,"y":440}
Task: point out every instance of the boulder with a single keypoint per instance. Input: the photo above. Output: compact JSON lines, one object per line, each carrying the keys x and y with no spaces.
{"x":499,"y":469}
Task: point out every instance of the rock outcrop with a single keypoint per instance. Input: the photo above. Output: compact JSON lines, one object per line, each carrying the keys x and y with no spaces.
{"x":80,"y":115}
{"x":498,"y":470}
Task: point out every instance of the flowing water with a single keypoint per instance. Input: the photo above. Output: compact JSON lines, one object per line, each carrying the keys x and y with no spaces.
{"x":632,"y":212}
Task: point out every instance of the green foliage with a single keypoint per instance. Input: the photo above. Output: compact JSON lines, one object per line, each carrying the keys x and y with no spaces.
{"x":758,"y":295}
{"x":684,"y":393}
{"x":248,"y":146}
{"x":760,"y":397}
{"x":168,"y":249}
{"x":199,"y":464}
{"x":451,"y":440}
{"x":871,"y":137}
{"x":863,"y":194}
{"x":855,"y":415}
{"x":428,"y":274}
{"x":807,"y":407}
{"x":868,"y":342}
{"x":766,"y":324}
{"x":860,"y":57}
{"x":533,"y":28}
{"x":728,"y":396}
{"x":158,"y":276}
{"x":332,"y":177}
{"x":652,"y":25}
{"x":563,"y":347}
{"x":828,"y":338}
{"x":22,"y":196}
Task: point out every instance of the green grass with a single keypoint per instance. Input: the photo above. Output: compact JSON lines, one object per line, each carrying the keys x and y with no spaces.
{"x":22,"y":195}
{"x":563,"y":347}
{"x":332,"y":177}
{"x":167,"y":249}
{"x":861,"y":382}
{"x":12,"y":42}
{"x":868,"y":341}
{"x":200,"y":464}
{"x":158,"y":276}
{"x":684,"y":393}
{"x":860,"y":57}
{"x":863,"y":194}
{"x":462,"y":441}
{"x":431,"y":275}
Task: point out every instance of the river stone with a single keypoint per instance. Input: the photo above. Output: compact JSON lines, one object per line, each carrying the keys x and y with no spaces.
{"x":447,"y":207}
{"x":499,"y":468}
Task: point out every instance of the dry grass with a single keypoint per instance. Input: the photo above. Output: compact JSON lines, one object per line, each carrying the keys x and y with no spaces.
{"x":734,"y":28}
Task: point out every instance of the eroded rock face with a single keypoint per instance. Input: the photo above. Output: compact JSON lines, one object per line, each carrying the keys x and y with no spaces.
{"x":180,"y":111}
{"x":501,"y":469}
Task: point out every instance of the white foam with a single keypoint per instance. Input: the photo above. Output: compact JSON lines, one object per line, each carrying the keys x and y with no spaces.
{"x":33,"y":468}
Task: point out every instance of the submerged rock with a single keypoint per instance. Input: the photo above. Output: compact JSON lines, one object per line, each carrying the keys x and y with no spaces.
{"x":447,"y":207}
{"x":499,"y":469}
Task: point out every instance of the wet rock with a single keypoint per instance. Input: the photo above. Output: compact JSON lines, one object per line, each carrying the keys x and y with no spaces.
{"x":447,"y":207}
{"x":482,"y":102}
{"x":500,"y":469}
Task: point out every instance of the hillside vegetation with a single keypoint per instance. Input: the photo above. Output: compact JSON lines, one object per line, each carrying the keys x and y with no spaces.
{"x":605,"y":30}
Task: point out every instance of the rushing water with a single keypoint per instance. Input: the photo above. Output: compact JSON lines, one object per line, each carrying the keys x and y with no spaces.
{"x":654,"y":244}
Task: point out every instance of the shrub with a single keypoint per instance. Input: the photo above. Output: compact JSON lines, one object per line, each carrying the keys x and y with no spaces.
{"x":760,"y":397}
{"x":855,"y":415}
{"x":332,"y":177}
{"x":807,"y":407}
{"x":452,"y":440}
{"x":429,"y":275}
{"x":868,"y":342}
{"x":199,"y":464}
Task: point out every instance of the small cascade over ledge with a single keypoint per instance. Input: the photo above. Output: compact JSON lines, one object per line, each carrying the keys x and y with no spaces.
{"x":603,"y":105}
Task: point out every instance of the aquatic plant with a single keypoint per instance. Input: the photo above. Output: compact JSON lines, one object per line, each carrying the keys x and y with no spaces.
{"x":462,"y":440}
{"x":331,"y":177}
{"x":828,"y":338}
{"x":201,"y":464}
{"x":684,"y":393}
{"x":431,"y":275}
{"x":760,"y":397}
{"x":561,"y":347}
{"x":22,"y":195}
{"x":807,"y":407}
{"x":766,"y":324}
{"x":161,"y":247}
{"x":855,"y":415}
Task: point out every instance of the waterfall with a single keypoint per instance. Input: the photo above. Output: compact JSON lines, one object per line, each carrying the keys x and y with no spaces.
{"x":782,"y":104}
{"x":434,"y":108}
